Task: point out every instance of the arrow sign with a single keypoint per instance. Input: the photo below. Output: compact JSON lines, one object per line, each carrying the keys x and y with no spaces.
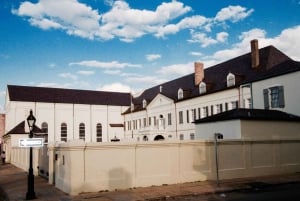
{"x":31,"y":142}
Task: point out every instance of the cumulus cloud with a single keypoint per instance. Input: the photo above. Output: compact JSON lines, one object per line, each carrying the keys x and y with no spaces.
{"x":85,"y":72}
{"x":176,"y":70}
{"x":287,"y":41}
{"x":105,"y":65}
{"x":68,"y":75}
{"x":205,"y":40}
{"x":233,"y":14}
{"x":152,"y":57}
{"x":122,"y":21}
{"x":115,"y":87}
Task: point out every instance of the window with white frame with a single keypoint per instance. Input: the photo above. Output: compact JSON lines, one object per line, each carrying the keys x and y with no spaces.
{"x":180,"y":117}
{"x":202,"y":88}
{"x":180,"y":94}
{"x":234,"y":104}
{"x":205,"y":111}
{"x":82,"y":131}
{"x":219,"y":108}
{"x":99,"y":132}
{"x":169,"y":119}
{"x":274,"y":97}
{"x":63,"y":132}
{"x":230,"y":80}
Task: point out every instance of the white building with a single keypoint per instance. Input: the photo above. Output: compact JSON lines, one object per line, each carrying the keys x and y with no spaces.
{"x":264,"y":79}
{"x":67,"y":114}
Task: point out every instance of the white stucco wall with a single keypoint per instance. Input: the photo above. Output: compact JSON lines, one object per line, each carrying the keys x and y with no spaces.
{"x":290,"y":82}
{"x":230,"y":129}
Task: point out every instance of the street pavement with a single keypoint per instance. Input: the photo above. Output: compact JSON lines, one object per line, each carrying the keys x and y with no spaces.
{"x":13,"y":187}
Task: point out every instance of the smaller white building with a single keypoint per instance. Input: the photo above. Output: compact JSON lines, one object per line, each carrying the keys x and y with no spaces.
{"x":249,"y":124}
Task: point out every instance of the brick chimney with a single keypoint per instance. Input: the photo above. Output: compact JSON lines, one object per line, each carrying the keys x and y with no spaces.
{"x":254,"y":53}
{"x":199,"y":72}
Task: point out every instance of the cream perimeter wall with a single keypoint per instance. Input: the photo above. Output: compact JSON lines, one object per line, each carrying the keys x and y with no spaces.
{"x":90,"y":167}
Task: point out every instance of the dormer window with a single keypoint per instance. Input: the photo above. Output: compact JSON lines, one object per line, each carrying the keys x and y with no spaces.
{"x":132,"y":107}
{"x":230,"y":80}
{"x":180,"y":94}
{"x":202,"y":88}
{"x":144,"y":103}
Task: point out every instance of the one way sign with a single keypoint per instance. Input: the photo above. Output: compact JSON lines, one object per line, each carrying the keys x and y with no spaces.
{"x":31,"y":142}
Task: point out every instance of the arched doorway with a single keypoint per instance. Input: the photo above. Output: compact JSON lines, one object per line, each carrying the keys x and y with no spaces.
{"x":159,"y":137}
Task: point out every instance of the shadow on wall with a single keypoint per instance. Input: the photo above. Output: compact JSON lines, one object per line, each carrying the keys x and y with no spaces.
{"x":119,"y":179}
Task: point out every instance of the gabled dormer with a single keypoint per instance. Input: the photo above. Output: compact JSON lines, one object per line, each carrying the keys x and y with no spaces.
{"x":202,"y":88}
{"x":144,"y":103}
{"x":230,"y":80}
{"x":180,"y":94}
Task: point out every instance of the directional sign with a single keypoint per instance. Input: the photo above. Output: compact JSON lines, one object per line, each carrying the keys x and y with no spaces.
{"x":31,"y":142}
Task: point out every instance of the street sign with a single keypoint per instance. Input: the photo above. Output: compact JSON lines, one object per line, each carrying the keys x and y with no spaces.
{"x":31,"y":142}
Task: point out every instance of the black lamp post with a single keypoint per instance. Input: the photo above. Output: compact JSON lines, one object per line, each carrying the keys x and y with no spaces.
{"x":30,"y":195}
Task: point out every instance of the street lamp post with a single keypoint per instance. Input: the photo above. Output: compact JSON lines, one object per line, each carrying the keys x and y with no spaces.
{"x":30,"y":195}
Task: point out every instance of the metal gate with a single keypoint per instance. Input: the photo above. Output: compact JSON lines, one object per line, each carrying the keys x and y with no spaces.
{"x":43,"y":162}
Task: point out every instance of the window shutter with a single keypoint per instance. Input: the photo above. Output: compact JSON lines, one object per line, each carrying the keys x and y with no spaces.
{"x":281,"y":96}
{"x":266,"y":98}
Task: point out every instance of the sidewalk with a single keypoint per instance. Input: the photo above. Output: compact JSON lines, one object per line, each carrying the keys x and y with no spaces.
{"x":13,"y":183}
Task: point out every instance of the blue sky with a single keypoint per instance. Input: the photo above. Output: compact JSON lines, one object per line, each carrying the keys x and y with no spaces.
{"x":134,"y":44}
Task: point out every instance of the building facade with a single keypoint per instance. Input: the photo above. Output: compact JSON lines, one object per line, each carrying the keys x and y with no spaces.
{"x":262,"y":79}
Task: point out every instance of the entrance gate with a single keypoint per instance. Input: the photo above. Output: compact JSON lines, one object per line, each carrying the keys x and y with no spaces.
{"x":43,"y":162}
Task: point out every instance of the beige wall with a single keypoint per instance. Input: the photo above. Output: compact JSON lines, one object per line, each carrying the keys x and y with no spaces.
{"x":93,"y":167}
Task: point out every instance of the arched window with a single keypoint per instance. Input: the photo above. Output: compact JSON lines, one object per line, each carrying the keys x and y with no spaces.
{"x":144,"y":103}
{"x":230,"y":80}
{"x":63,"y":132}
{"x":44,"y":127}
{"x":145,"y":138}
{"x":202,"y":88}
{"x":99,"y":132}
{"x":180,"y":94}
{"x":82,"y":131}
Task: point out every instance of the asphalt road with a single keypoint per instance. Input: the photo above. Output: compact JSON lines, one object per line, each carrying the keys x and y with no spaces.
{"x":258,"y":192}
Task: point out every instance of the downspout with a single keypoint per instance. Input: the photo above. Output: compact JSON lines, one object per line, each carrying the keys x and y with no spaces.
{"x":107,"y":123}
{"x":91,"y":122}
{"x":73,"y":123}
{"x":176,"y":131}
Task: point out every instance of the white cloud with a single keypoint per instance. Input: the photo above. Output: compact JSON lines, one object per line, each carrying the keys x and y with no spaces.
{"x":152,"y":57}
{"x":68,"y":75}
{"x":233,"y":14}
{"x":112,"y":72}
{"x":80,"y":19}
{"x":197,"y":54}
{"x":85,"y":72}
{"x":121,"y":20}
{"x":204,"y":40}
{"x":145,"y":81}
{"x":176,"y":70}
{"x":287,"y":41}
{"x":105,"y":65}
{"x":115,"y":87}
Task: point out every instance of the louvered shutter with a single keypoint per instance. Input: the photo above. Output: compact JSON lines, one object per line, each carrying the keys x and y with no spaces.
{"x":266,"y":98}
{"x":281,"y":96}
